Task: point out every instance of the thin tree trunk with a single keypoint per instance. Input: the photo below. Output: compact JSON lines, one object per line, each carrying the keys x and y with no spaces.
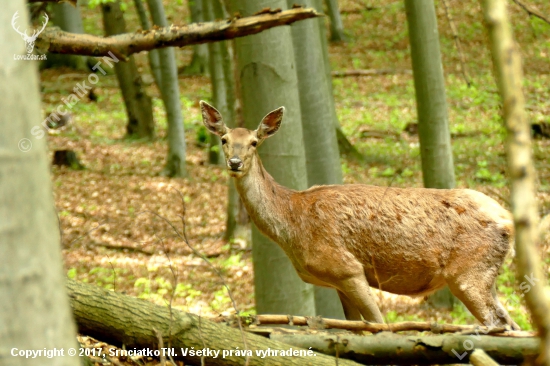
{"x":220,"y":91}
{"x":433,"y":126}
{"x":68,"y":18}
{"x":321,"y":145}
{"x":509,"y":75}
{"x":175,"y":162}
{"x":35,"y":313}
{"x":223,"y":95}
{"x":199,"y":64}
{"x":139,"y":107}
{"x":153,"y":55}
{"x":268,"y":81}
{"x":344,"y":145}
{"x":336,"y":25}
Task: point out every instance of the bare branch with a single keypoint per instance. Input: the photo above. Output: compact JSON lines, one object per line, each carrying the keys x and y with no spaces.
{"x":532,"y":11}
{"x":55,"y":40}
{"x":458,"y":45}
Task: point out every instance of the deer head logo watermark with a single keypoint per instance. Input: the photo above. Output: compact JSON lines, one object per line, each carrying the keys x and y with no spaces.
{"x":29,"y":40}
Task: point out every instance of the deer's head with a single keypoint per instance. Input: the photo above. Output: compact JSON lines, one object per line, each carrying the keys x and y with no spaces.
{"x":29,"y":40}
{"x":240,"y":144}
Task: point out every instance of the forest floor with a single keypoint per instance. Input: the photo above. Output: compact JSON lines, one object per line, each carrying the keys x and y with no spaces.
{"x":120,"y":200}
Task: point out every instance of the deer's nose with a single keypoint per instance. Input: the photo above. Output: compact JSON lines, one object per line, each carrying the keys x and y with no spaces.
{"x":235,"y":163}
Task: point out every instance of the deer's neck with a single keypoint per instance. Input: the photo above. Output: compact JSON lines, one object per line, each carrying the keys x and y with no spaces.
{"x":267,"y":202}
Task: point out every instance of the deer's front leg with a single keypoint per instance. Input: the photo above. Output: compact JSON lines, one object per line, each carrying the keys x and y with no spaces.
{"x":356,"y":290}
{"x":350,"y":310}
{"x":348,"y":277}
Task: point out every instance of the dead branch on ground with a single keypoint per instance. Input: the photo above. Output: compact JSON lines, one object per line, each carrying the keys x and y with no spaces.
{"x":369,"y":72}
{"x":120,"y":319}
{"x":355,"y":325}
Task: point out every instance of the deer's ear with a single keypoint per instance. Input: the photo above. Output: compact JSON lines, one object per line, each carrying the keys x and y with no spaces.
{"x":270,"y":123}
{"x":212,"y":119}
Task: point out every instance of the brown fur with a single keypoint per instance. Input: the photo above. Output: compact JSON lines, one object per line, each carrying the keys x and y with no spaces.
{"x":402,"y":240}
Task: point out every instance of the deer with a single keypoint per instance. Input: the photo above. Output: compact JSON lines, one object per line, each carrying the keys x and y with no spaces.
{"x":351,"y":237}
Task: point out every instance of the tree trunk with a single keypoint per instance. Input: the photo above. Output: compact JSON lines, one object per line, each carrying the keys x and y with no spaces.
{"x":509,"y":75}
{"x":175,"y":162}
{"x":344,"y":145}
{"x":199,"y":64}
{"x":268,"y":80}
{"x":35,"y":312}
{"x":336,"y":25}
{"x":120,"y":319}
{"x":139,"y":107}
{"x":321,"y":145}
{"x":153,"y":55}
{"x":433,"y":126}
{"x":68,"y":18}
{"x":221,"y":92}
{"x":223,"y":95}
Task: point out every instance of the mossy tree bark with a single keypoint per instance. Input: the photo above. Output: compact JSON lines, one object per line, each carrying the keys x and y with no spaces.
{"x":431,"y":104}
{"x":35,"y":313}
{"x":268,"y":80}
{"x":139,"y":107}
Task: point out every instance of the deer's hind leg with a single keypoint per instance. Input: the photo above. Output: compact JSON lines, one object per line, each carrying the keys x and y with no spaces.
{"x":475,"y":288}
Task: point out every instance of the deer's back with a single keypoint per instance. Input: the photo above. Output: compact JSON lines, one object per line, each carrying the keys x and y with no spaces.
{"x":425,"y":233}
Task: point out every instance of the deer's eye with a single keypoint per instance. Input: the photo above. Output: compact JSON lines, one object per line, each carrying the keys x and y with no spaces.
{"x":254,"y":143}
{"x":224,"y":141}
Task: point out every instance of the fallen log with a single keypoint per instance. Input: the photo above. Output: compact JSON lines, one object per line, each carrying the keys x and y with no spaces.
{"x":389,"y":348}
{"x":480,"y":358}
{"x":356,"y":325}
{"x":124,"y":320}
{"x":55,"y":40}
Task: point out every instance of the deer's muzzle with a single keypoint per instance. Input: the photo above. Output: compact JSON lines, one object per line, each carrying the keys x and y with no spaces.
{"x":235,"y":164}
